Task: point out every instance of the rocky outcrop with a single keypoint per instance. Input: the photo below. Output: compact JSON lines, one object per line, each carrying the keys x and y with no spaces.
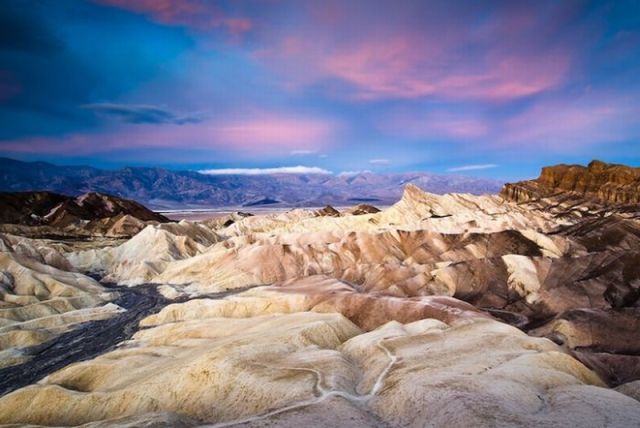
{"x":40,"y":299}
{"x":89,"y":214}
{"x":328,"y":211}
{"x":362,"y":209}
{"x":599,"y":181}
{"x":441,"y":310}
{"x":28,"y":208}
{"x":34,"y":249}
{"x":222,"y":221}
{"x":45,"y":208}
{"x":147,"y":254}
{"x":272,"y":370}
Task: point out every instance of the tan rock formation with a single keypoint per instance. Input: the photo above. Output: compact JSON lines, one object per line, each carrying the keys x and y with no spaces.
{"x":267,"y":369}
{"x":320,"y":294}
{"x":35,"y":249}
{"x":39,"y":301}
{"x":387,"y":318}
{"x":600,"y":181}
{"x":146,"y":255}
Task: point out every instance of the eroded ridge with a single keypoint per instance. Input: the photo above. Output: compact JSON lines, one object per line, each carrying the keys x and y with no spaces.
{"x":439,"y":310}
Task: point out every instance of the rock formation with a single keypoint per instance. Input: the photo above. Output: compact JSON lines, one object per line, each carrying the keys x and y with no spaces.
{"x":599,"y":181}
{"x":88,"y":214}
{"x":269,"y":369}
{"x":441,"y":310}
{"x":144,"y":256}
{"x":362,"y":209}
{"x":40,"y":297}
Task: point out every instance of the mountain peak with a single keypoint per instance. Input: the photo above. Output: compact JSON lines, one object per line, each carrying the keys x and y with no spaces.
{"x":413,"y":193}
{"x":597,"y":165}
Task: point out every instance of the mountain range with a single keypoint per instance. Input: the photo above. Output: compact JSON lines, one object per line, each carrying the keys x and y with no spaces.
{"x":161,"y":188}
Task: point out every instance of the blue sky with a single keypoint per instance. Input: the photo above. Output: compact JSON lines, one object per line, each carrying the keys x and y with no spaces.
{"x":489,"y":88}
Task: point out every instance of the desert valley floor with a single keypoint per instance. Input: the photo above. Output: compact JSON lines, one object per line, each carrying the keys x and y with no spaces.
{"x":518,"y":309}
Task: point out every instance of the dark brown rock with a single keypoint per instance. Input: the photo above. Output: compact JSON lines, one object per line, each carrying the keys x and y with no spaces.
{"x":362,"y":209}
{"x":42,"y":214}
{"x":599,"y":181}
{"x":327,"y":211}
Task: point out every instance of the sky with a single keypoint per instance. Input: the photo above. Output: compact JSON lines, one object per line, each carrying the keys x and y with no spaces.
{"x":486,"y":88}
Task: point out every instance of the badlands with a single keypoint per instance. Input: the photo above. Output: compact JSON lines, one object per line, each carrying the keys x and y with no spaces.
{"x":518,"y":309}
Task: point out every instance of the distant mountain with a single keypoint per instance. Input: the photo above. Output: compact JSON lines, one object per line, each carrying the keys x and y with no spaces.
{"x":165,"y":189}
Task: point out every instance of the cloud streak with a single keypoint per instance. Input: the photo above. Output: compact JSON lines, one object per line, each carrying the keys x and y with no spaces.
{"x":354,"y":173}
{"x":140,"y":113}
{"x":302,"y":152}
{"x":457,"y":126}
{"x":261,"y":134}
{"x":472,"y":167}
{"x":379,"y":161}
{"x":200,"y":15}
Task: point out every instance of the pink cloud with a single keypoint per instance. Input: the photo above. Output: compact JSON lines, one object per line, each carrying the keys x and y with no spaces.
{"x":565,"y":126}
{"x":560,"y":125}
{"x":555,"y":125}
{"x":262,"y":134}
{"x":166,"y":11}
{"x":201,"y":15}
{"x":410,"y":66}
{"x":380,"y":69}
{"x":434,"y":125}
{"x":513,"y":53}
{"x":508,"y":77}
{"x":237,"y":25}
{"x":276,"y":132}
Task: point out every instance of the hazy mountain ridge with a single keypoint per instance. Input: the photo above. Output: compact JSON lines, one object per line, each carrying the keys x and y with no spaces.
{"x":162,"y":188}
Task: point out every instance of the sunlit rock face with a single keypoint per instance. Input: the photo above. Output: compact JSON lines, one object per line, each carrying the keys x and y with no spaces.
{"x":599,"y":181}
{"x":267,"y":367}
{"x":324,"y":295}
{"x":441,"y":310}
{"x":145,"y":255}
{"x":41,"y":297}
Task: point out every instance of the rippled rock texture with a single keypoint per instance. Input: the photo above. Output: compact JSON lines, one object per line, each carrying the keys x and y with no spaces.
{"x":452,"y":310}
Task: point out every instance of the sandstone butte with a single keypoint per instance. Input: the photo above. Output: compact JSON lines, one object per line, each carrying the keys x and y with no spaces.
{"x":599,"y":181}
